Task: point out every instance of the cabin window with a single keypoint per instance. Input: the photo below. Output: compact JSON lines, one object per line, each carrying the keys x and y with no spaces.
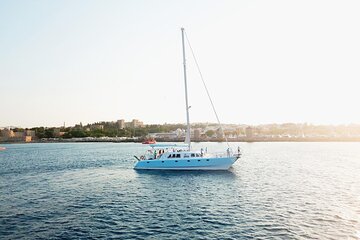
{"x":192,"y":155}
{"x":174,"y":156}
{"x":198,"y":155}
{"x":178,"y":155}
{"x":169,"y":156}
{"x":186,"y":155}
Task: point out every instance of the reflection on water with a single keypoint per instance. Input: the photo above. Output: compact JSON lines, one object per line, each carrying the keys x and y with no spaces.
{"x":190,"y":173}
{"x":276,"y":190}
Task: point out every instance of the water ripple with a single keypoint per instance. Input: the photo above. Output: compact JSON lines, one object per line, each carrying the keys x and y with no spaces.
{"x":88,"y":191}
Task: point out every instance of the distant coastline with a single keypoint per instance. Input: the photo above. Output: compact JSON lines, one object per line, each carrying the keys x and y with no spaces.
{"x":136,"y":131}
{"x":246,"y":140}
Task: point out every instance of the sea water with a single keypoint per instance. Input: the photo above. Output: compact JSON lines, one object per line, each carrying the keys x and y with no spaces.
{"x":90,"y":190}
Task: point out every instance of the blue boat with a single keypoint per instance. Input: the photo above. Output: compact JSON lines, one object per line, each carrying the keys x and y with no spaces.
{"x":181,"y":157}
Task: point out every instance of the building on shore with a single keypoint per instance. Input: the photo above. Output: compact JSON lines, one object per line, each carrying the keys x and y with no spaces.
{"x":135,"y":123}
{"x":27,"y":138}
{"x":12,"y":136}
{"x":121,"y":123}
{"x":7,"y":133}
{"x":97,"y":127}
{"x":173,"y":135}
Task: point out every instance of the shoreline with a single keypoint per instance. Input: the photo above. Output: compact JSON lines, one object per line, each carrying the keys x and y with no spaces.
{"x":247,"y":140}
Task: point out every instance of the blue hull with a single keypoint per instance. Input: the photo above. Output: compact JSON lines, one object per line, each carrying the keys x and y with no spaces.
{"x":223,"y":163}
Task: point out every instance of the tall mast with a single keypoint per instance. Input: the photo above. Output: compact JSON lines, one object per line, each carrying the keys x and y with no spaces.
{"x":187,"y":138}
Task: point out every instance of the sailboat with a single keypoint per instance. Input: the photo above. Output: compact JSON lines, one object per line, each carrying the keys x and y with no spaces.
{"x":181,"y":156}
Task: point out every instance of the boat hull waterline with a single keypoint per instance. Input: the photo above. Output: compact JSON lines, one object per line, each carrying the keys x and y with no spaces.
{"x":223,"y":163}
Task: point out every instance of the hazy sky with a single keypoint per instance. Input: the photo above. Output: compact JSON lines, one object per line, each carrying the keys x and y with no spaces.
{"x":263,"y":61}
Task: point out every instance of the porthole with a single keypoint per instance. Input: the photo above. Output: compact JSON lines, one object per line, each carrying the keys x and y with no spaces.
{"x":176,"y":161}
{"x":147,"y":162}
{"x":188,"y":160}
{"x":199,"y":160}
{"x":207,"y":159}
{"x":162,"y":161}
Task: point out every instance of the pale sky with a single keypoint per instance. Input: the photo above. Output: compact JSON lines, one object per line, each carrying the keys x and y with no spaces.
{"x":263,"y":61}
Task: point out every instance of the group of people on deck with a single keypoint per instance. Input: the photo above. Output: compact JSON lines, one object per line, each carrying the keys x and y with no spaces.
{"x":158,"y":154}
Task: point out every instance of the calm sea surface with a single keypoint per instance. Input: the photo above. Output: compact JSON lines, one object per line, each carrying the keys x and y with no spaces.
{"x":89,"y":190}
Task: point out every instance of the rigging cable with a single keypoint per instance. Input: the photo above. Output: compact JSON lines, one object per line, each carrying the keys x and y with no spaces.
{"x":207,"y":91}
